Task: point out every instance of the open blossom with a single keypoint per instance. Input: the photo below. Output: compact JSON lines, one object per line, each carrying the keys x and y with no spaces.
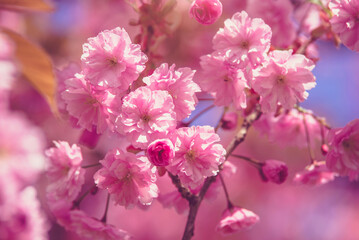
{"x":236,"y":219}
{"x":21,"y":148}
{"x":284,"y":79}
{"x":86,"y":104}
{"x":198,"y":155}
{"x":222,"y":77}
{"x":129,"y":178}
{"x":315,"y":174}
{"x":206,"y":11}
{"x":21,"y":217}
{"x":146,"y":115}
{"x":90,"y":228}
{"x":278,"y":15}
{"x":249,"y":39}
{"x":66,"y":176}
{"x":160,"y":152}
{"x":345,"y":22}
{"x":111,"y":60}
{"x":343,"y":155}
{"x":288,"y":128}
{"x":179,"y":84}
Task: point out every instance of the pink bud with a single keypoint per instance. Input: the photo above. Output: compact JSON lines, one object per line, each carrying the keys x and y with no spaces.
{"x":160,"y":152}
{"x":229,"y":121}
{"x":206,"y":11}
{"x":274,"y":171}
{"x":236,"y":219}
{"x":89,"y":139}
{"x":324,"y":149}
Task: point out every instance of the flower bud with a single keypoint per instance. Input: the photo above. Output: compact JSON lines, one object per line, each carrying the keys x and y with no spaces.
{"x":206,"y":11}
{"x":229,"y":121}
{"x":160,"y":152}
{"x":236,"y":219}
{"x":274,"y":171}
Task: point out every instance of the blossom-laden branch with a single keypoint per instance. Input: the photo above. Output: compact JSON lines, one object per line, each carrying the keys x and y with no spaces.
{"x":195,"y":200}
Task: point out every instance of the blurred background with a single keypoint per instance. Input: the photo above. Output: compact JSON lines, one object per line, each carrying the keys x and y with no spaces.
{"x":288,"y":211}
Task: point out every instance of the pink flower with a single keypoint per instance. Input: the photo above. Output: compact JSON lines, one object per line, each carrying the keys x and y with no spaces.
{"x":129,"y":178}
{"x":223,"y":78}
{"x":345,"y":22}
{"x":160,"y":152}
{"x":61,"y":76}
{"x":21,"y":148}
{"x":288,"y":128}
{"x":278,"y":15}
{"x":21,"y":218}
{"x":89,"y":106}
{"x":236,"y":219}
{"x":274,"y":171}
{"x":90,"y":228}
{"x":284,"y":79}
{"x":249,"y":39}
{"x":206,"y":11}
{"x":174,"y":199}
{"x":343,"y":155}
{"x":146,"y":115}
{"x":315,"y":174}
{"x":229,"y":121}
{"x":179,"y":84}
{"x":111,"y":60}
{"x":198,"y":155}
{"x":65,"y":174}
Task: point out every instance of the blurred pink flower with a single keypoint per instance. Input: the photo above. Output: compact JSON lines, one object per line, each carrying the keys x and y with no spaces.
{"x":222,"y":77}
{"x":206,"y":11}
{"x":288,"y":128}
{"x":160,"y":152}
{"x":229,"y":121}
{"x":345,"y":22}
{"x":179,"y":84}
{"x":284,"y":79}
{"x":111,"y":60}
{"x":343,"y":155}
{"x":130,"y":179}
{"x":198,"y":155}
{"x":236,"y":219}
{"x":274,"y":171}
{"x":249,"y":39}
{"x":90,"y":228}
{"x":278,"y":15}
{"x":174,"y":199}
{"x":21,"y":148}
{"x":65,"y":174}
{"x":62,"y":75}
{"x":315,"y":174}
{"x":86,"y":104}
{"x":146,"y":116}
{"x":21,"y":217}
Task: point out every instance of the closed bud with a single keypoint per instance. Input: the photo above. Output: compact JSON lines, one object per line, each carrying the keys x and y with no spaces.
{"x":274,"y":171}
{"x":206,"y":11}
{"x":160,"y":152}
{"x":229,"y":121}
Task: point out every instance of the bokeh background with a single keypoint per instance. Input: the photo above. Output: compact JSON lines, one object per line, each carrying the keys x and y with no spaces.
{"x":288,"y":211}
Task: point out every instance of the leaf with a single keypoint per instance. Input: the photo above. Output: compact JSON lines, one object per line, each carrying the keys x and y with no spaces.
{"x":34,"y":5}
{"x":36,"y":66}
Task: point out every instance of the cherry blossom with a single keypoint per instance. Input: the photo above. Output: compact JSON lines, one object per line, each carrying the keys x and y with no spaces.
{"x":130,"y":179}
{"x":284,"y":79}
{"x":112,"y":60}
{"x":249,"y":39}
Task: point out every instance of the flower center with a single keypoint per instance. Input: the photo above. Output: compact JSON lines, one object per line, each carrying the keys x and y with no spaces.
{"x":146,"y":118}
{"x":112,"y":61}
{"x":190,"y":155}
{"x":244,"y":45}
{"x":280,"y":79}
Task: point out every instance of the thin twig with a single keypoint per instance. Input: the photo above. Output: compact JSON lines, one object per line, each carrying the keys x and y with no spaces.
{"x":104,"y":218}
{"x":199,"y":114}
{"x":91,"y":165}
{"x":229,"y":203}
{"x":311,"y":155}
